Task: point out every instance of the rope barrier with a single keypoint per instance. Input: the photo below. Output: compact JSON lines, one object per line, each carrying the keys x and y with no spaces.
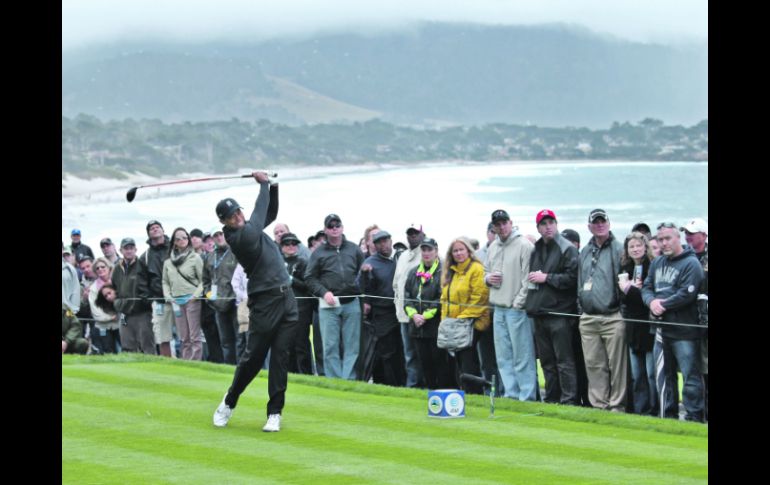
{"x":438,"y":302}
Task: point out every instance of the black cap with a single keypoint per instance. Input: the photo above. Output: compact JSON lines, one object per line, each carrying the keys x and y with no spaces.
{"x":127,"y":241}
{"x":571,"y":235}
{"x":500,"y":215}
{"x":227,"y":207}
{"x":84,"y":257}
{"x":105,"y":242}
{"x":152,"y":223}
{"x":330,"y":218}
{"x":491,"y":227}
{"x":595,"y":214}
{"x":320,"y":234}
{"x":429,"y":241}
{"x":196,"y":233}
{"x":380,"y":235}
{"x":642,"y":227}
{"x":399,"y":246}
{"x":289,"y":237}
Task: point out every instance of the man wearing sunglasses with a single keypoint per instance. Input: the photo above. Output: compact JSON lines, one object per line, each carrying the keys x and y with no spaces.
{"x":272,"y":306}
{"x":671,"y":291}
{"x":331,"y":276}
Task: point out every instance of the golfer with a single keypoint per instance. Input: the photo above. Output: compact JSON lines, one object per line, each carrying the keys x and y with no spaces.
{"x":272,"y":308}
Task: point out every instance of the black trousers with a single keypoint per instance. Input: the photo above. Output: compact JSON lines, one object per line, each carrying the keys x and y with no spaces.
{"x":300,"y":360}
{"x":557,"y":358}
{"x":272,"y":326}
{"x":580,"y":365}
{"x":389,"y":359}
{"x":211,"y":333}
{"x":468,"y":363}
{"x":436,"y":364}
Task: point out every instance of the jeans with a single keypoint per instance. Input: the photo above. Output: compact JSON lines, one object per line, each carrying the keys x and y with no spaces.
{"x":414,"y":377}
{"x":643,"y":383}
{"x":227,"y":325}
{"x":685,"y":354}
{"x":344,"y":320}
{"x":515,"y":351}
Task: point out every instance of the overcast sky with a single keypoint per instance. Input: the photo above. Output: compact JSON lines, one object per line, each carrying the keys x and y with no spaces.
{"x":89,"y":21}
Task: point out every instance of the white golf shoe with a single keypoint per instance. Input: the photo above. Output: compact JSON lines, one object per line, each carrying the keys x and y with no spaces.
{"x":273,"y":423}
{"x":222,"y":414}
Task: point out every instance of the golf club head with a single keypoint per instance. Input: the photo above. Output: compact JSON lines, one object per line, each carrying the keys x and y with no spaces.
{"x":131,"y":194}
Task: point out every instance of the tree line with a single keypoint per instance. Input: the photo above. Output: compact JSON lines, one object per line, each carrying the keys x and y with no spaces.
{"x":92,"y":147}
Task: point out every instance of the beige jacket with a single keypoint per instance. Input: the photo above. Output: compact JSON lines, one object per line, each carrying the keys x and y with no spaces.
{"x":511,"y":257}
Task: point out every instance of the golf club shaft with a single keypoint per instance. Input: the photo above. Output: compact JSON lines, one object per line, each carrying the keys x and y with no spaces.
{"x":204,"y":179}
{"x":131,"y":194}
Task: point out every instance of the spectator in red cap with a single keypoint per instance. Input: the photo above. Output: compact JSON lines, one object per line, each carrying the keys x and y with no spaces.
{"x":553,"y":290}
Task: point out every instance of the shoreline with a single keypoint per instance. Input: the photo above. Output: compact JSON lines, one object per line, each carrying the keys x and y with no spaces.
{"x":76,"y":189}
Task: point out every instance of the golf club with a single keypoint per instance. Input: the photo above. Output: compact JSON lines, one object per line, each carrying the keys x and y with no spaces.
{"x":483,"y":382}
{"x":131,"y":194}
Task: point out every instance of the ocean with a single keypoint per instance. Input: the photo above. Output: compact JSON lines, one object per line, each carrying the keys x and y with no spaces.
{"x":449,"y":200}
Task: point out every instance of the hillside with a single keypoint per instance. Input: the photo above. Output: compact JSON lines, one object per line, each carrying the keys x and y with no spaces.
{"x":432,"y":74}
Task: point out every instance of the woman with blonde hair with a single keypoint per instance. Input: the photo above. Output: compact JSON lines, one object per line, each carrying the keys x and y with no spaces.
{"x":465,"y":295}
{"x":182,"y":285}
{"x":106,"y":325}
{"x":634,"y":265}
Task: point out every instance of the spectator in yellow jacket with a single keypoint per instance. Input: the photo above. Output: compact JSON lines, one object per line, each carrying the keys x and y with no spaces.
{"x":465,"y":295}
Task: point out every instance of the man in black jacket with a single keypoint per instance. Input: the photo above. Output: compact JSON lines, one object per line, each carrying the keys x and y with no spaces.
{"x":332,"y":271}
{"x":272,"y":305}
{"x":553,"y":289}
{"x":153,"y":257}
{"x":376,"y":278}
{"x":130,"y":280}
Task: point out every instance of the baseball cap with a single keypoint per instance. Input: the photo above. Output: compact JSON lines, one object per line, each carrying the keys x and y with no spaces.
{"x":331,"y":217}
{"x":227,"y":207}
{"x":380,"y":235}
{"x":641,"y":227}
{"x":414,"y":227}
{"x":105,"y":242}
{"x":84,"y":257}
{"x":500,"y":215}
{"x":289,"y":237}
{"x":66,"y":249}
{"x":595,"y":214}
{"x":206,"y":235}
{"x":152,"y":223}
{"x":696,"y":225}
{"x":543,"y":214}
{"x":127,"y":241}
{"x":571,"y":235}
{"x":196,"y":233}
{"x":429,"y":241}
{"x":75,"y":232}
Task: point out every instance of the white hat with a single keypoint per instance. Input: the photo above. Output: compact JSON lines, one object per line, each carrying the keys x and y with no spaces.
{"x":696,"y":225}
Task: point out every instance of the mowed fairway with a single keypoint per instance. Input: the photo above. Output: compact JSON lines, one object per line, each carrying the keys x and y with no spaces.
{"x":135,"y":419}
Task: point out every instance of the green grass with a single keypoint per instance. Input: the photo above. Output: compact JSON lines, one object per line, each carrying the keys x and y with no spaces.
{"x":136,"y":419}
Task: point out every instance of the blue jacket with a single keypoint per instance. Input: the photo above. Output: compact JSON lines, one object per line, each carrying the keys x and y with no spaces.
{"x":676,"y":281}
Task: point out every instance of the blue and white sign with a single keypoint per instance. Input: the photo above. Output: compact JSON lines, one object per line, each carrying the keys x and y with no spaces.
{"x":446,"y":403}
